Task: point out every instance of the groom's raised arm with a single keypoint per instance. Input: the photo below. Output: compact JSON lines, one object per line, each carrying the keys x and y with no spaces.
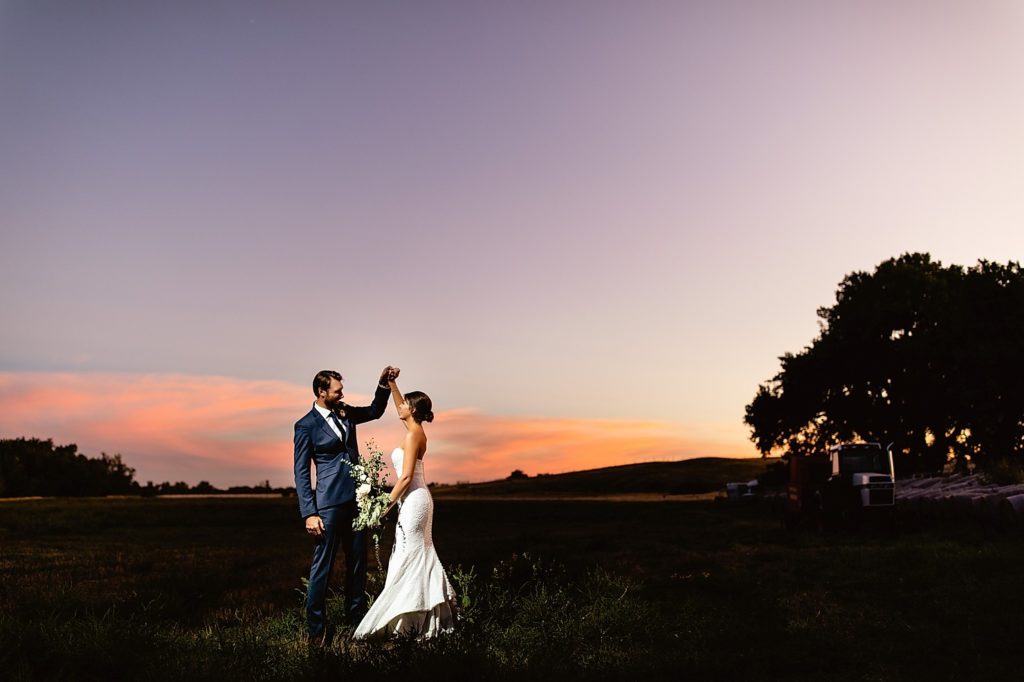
{"x":374,"y":410}
{"x":303,"y":459}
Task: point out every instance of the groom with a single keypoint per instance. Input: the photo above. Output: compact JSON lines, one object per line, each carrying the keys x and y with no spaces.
{"x":326,"y":436}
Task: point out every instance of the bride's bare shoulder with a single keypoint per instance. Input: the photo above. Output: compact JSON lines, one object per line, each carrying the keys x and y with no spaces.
{"x":415,"y":441}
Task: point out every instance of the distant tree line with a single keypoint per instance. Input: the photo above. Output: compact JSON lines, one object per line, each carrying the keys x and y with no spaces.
{"x":925,"y":356}
{"x":206,"y":488}
{"x":32,"y":467}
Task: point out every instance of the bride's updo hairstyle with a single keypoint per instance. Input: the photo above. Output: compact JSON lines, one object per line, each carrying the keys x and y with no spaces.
{"x":420,"y":406}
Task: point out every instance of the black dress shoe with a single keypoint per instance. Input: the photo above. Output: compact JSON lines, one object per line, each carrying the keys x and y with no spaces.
{"x":329,"y":633}
{"x":322,"y":640}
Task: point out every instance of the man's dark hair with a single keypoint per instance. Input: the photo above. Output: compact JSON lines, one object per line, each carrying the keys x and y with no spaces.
{"x":322,"y":380}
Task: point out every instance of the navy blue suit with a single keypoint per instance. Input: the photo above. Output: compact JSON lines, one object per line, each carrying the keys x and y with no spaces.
{"x":334,"y":502}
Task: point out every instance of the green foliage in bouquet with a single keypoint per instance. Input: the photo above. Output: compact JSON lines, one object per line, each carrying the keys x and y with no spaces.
{"x":372,"y":498}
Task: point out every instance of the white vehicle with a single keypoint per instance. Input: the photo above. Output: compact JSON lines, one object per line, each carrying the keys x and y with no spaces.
{"x":840,"y":486}
{"x":866,"y":471}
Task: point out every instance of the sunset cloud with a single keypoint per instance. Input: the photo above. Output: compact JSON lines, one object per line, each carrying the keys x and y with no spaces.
{"x":238,"y":432}
{"x":472,"y":446}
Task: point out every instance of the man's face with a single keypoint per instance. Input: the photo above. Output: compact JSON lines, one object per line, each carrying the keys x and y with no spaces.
{"x":334,"y":394}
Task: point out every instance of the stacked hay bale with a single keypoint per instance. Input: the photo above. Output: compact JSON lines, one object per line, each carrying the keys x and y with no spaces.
{"x":961,"y":497}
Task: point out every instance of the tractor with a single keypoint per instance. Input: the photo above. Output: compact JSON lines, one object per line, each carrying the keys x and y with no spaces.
{"x":840,"y":487}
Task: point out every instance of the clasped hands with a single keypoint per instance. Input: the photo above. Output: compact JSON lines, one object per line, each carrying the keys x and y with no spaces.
{"x":389,"y":374}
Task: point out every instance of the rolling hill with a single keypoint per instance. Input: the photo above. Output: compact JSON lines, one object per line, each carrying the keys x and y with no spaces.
{"x":685,"y":477}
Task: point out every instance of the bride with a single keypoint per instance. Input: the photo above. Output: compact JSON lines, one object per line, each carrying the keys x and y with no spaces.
{"x":417,"y":599}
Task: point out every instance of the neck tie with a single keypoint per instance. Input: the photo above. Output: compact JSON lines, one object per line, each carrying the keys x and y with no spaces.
{"x":337,"y":422}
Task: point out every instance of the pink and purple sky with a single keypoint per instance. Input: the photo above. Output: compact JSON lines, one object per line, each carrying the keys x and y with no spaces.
{"x":586,"y":229}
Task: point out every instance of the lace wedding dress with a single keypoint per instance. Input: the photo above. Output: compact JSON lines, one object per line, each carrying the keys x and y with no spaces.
{"x":417,"y":599}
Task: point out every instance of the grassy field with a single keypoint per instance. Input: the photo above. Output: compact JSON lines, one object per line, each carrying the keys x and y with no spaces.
{"x":211,"y":589}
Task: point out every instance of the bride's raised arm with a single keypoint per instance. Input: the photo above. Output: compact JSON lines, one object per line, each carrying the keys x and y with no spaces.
{"x":396,"y":395}
{"x":413,"y":443}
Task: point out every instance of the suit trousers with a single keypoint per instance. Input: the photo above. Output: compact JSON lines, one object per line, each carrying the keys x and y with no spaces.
{"x":337,"y":531}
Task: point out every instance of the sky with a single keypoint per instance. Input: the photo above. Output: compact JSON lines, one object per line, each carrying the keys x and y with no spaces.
{"x":586,"y":229}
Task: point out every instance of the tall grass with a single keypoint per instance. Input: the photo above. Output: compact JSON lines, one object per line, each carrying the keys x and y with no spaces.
{"x":525,"y":618}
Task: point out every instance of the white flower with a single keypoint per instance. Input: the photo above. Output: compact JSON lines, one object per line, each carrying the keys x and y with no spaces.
{"x":362,"y":491}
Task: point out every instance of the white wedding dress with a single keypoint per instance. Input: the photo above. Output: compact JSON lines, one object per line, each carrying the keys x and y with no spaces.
{"x":417,"y":599}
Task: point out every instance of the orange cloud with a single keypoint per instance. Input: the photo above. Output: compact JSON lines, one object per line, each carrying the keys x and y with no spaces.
{"x":468,"y":445}
{"x":168,"y":427}
{"x":238,"y":432}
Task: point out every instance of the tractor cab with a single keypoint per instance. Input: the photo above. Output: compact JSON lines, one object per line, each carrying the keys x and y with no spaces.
{"x":866,"y":470}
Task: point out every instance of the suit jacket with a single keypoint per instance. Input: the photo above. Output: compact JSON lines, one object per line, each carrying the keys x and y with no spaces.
{"x":315,"y":441}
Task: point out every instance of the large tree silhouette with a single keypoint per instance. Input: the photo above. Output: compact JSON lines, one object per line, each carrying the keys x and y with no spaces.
{"x":916,"y":353}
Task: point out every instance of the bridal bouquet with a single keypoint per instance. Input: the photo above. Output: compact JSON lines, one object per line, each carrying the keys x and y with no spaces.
{"x":371,"y":497}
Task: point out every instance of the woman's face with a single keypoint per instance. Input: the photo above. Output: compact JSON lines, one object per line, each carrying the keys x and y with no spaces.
{"x":404,"y":411}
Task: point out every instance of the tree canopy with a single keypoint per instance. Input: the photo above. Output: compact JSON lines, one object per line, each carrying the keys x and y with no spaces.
{"x":916,"y":353}
{"x":38,"y":467}
{"x":32,"y":467}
